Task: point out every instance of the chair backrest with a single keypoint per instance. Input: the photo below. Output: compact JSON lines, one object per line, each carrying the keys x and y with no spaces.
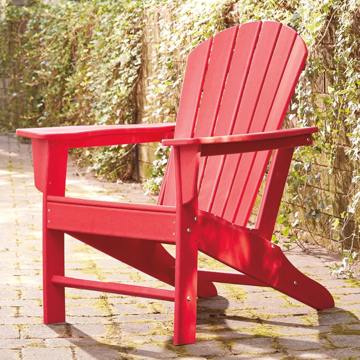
{"x":241,"y":81}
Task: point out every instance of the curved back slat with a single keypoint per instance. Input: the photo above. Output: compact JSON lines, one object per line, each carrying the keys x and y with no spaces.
{"x":188,"y":109}
{"x":243,"y":85}
{"x":243,"y":52}
{"x":295,"y":58}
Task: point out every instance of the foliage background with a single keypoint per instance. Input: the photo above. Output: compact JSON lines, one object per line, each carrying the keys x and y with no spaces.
{"x":83,"y":62}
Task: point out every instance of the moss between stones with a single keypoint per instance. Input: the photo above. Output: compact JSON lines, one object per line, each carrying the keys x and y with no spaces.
{"x":136,"y":277}
{"x":112,"y":331}
{"x":31,"y":248}
{"x":309,"y":320}
{"x":354,"y":283}
{"x":265,"y":330}
{"x":341,"y":329}
{"x":288,"y":304}
{"x":102,"y":304}
{"x":91,"y":268}
{"x":236,"y":292}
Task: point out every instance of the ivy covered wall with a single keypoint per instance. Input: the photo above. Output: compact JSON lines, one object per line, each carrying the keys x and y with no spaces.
{"x":109,"y":62}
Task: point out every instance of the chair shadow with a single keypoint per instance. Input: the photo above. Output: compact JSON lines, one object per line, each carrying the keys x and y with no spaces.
{"x":216,"y":326}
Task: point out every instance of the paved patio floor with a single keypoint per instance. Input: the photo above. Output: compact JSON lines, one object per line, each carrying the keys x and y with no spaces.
{"x":241,"y":322}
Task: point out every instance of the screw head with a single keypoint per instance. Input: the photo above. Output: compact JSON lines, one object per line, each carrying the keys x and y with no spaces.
{"x":188,"y":230}
{"x":195,"y":218}
{"x":188,"y":298}
{"x":273,"y":246}
{"x":295,"y":283}
{"x":308,"y":139}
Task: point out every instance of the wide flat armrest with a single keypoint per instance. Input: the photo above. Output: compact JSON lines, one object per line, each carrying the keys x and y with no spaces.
{"x":101,"y":135}
{"x":231,"y":144}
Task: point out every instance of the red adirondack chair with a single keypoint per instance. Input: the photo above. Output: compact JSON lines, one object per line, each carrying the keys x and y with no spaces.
{"x":236,"y":90}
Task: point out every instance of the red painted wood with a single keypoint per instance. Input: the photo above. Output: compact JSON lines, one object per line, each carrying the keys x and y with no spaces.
{"x":216,"y":76}
{"x":235,"y":94}
{"x":146,"y":256}
{"x":114,"y":288}
{"x":237,"y":75}
{"x":112,"y":204}
{"x":260,"y":62}
{"x":294,"y":67}
{"x":295,"y":60}
{"x":260,"y":259}
{"x":186,"y":171}
{"x":39,"y":151}
{"x":246,"y":147}
{"x":228,"y":277}
{"x":279,"y":136}
{"x":119,"y":139}
{"x":53,"y":174}
{"x":111,"y":221}
{"x":196,"y":67}
{"x":78,"y":132}
{"x":275,"y":64}
{"x":274,"y":188}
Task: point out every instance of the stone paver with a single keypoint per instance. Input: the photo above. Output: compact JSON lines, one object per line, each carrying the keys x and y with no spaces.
{"x":242,"y":322}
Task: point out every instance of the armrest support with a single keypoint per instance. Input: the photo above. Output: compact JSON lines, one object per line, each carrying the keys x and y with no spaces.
{"x":50,"y":146}
{"x":230,"y":144}
{"x":102,"y":135}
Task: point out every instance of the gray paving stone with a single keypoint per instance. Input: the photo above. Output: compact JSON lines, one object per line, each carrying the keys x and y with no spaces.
{"x":75,"y":320}
{"x":206,"y":348}
{"x":137,"y":328}
{"x":88,"y":330}
{"x":187,"y":358}
{"x":333,"y":354}
{"x":127,"y":321}
{"x":68,"y":342}
{"x":44,"y":331}
{"x":346,"y":340}
{"x":273,"y":356}
{"x":84,"y":310}
{"x":287,"y":310}
{"x":31,"y":311}
{"x":303,"y":330}
{"x":264,"y":302}
{"x":335,"y":318}
{"x":350,"y":298}
{"x":254,"y":346}
{"x":7,"y":294}
{"x":9,"y":332}
{"x":6,"y":354}
{"x":46,"y":354}
{"x":97,"y":352}
{"x":149,"y":351}
{"x":19,"y":343}
{"x":301,"y":342}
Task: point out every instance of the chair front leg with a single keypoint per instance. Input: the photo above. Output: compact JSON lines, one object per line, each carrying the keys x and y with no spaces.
{"x":52,"y":156}
{"x":186,"y":170}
